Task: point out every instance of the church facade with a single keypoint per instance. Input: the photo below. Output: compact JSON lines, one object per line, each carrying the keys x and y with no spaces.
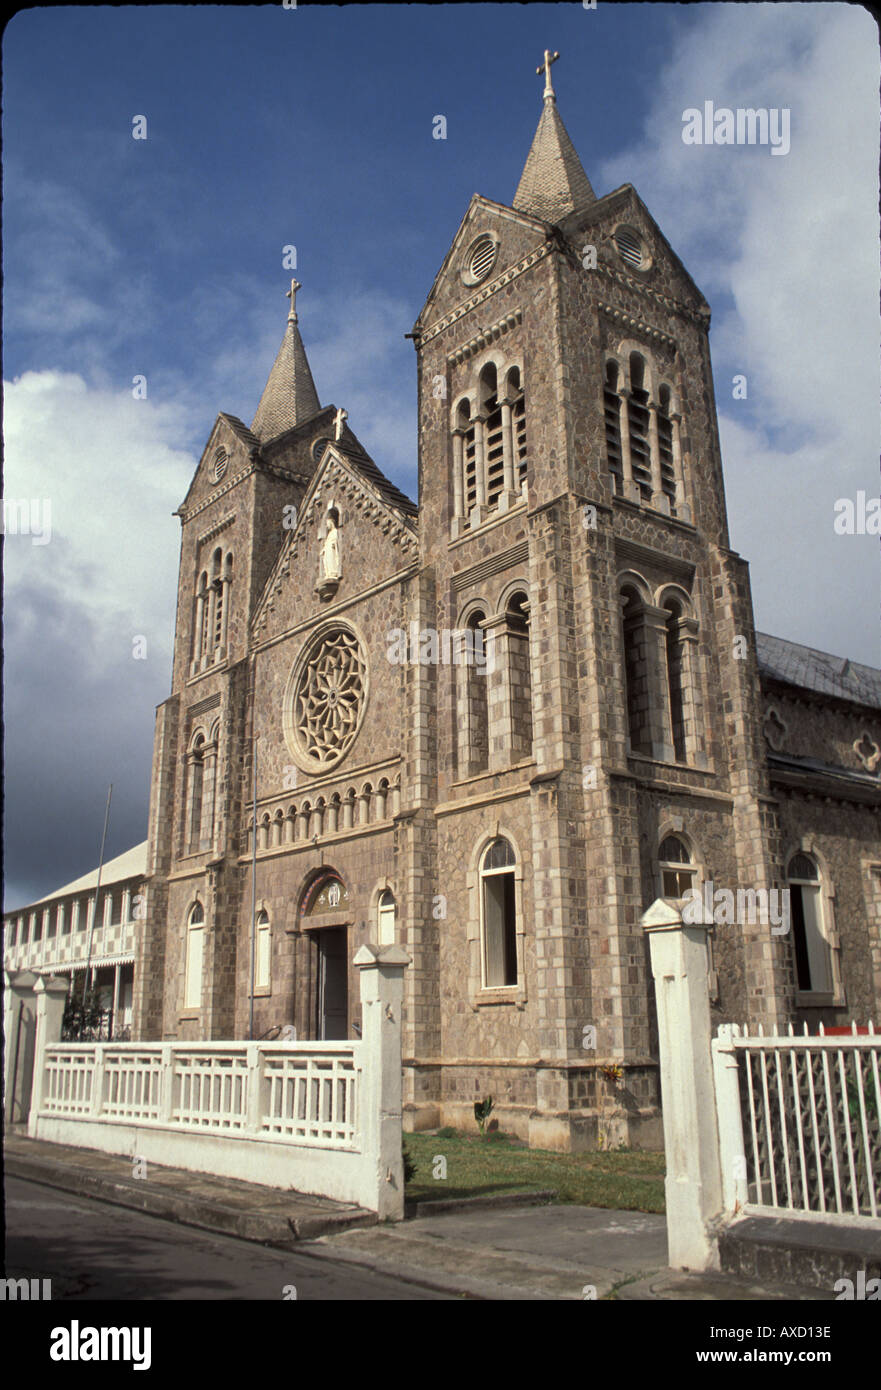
{"x":496,"y":726}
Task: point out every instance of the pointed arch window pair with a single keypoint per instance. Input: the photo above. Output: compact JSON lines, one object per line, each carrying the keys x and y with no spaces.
{"x":495,"y":733}
{"x":643,"y":448}
{"x":211,"y":612}
{"x":489,"y":447}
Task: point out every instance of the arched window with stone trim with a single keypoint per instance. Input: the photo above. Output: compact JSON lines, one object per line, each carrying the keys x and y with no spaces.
{"x":194,"y":957}
{"x":385,"y":918}
{"x":200,"y":619}
{"x":678,"y":873}
{"x":464,"y":458}
{"x":810,"y":943}
{"x":498,"y":915}
{"x":637,"y":681}
{"x":196,"y":762}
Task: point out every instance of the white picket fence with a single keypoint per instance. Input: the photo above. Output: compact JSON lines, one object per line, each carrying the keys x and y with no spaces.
{"x":805,"y":1134}
{"x":319,"y":1117}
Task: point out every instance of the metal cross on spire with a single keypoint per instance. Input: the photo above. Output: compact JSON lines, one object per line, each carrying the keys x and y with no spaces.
{"x":292,"y":296}
{"x":546,"y":69}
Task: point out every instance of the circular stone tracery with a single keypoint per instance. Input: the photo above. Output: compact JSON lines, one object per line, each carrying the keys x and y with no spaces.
{"x":327,"y":696}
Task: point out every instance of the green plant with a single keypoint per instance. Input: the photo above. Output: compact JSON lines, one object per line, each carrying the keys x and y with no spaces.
{"x":482,"y":1112}
{"x":447,"y":1133}
{"x":410,"y":1168}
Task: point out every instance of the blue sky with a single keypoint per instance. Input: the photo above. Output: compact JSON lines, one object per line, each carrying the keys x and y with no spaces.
{"x":313,"y":127}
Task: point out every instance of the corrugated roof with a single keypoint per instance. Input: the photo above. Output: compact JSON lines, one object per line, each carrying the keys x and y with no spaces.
{"x":819,"y":672}
{"x":131,"y":864}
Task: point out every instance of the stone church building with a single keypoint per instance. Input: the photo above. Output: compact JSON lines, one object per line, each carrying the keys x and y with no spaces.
{"x":495,"y":726}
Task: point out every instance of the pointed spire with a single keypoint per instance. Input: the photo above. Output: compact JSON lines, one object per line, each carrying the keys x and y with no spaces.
{"x":553,"y":183}
{"x":289,"y":396}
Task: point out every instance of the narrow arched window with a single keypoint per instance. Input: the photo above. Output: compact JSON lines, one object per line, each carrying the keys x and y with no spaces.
{"x":813,"y":960}
{"x":473,"y":698}
{"x":636,"y":671}
{"x":612,"y":416}
{"x":638,"y":422}
{"x":498,"y":915}
{"x":676,"y":677}
{"x":197,"y":776}
{"x":195,"y":955}
{"x":385,"y":915}
{"x":263,"y":952}
{"x":519,"y":676}
{"x":200,"y":618}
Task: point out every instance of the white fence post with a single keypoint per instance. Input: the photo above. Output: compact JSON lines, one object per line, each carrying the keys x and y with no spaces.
{"x":382,"y":992}
{"x":19,"y":1024}
{"x":693,"y":1188}
{"x":735,"y":1189}
{"x":51,"y":996}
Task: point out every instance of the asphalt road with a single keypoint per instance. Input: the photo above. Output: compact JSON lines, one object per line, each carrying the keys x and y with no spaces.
{"x":92,"y":1250}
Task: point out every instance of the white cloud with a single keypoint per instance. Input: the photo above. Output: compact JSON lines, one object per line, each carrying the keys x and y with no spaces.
{"x":792,"y":242}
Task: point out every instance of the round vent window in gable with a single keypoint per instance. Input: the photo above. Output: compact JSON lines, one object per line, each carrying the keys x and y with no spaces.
{"x":480,"y":259}
{"x":630,"y":248}
{"x":221,"y":463}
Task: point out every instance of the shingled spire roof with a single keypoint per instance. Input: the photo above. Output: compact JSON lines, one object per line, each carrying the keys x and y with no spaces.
{"x":289,"y":396}
{"x":553,"y":183}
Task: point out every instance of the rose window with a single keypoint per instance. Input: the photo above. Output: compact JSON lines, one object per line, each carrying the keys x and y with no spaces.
{"x":329,"y":690}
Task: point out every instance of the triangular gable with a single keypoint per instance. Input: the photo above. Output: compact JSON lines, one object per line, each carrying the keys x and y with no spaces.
{"x":536,"y":230}
{"x":240,"y":446}
{"x":342,"y":476}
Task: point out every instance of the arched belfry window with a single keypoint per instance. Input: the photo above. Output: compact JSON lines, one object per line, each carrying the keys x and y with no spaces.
{"x":612,"y":416}
{"x":464,"y":456}
{"x":194,"y":957}
{"x":810,"y":943}
{"x":197,"y":780}
{"x":498,"y":902}
{"x":491,"y":411}
{"x":666,"y":451}
{"x":638,"y":428}
{"x":515,"y":400}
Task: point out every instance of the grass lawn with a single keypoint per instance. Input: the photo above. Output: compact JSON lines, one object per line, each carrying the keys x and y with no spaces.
{"x":630,"y":1180}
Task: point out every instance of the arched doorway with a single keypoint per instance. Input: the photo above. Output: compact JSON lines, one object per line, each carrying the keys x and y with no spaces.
{"x":325,"y":915}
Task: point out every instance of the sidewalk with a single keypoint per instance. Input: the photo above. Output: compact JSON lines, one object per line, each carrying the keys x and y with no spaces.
{"x":513,"y":1252}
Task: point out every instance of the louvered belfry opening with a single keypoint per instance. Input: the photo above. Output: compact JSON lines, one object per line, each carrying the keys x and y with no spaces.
{"x":612,"y":414}
{"x":665,"y":448}
{"x":638,"y":420}
{"x":517,"y":398}
{"x":629,"y":246}
{"x":494,"y":451}
{"x":463,"y":422}
{"x":676,"y":678}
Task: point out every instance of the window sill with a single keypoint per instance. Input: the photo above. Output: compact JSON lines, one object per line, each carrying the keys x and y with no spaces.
{"x":820,"y":999}
{"x":500,"y":994}
{"x":495,"y":518}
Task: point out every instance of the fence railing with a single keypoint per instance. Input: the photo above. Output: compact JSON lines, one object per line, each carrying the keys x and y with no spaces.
{"x":807,"y":1138}
{"x":305,"y":1092}
{"x":321,"y":1117}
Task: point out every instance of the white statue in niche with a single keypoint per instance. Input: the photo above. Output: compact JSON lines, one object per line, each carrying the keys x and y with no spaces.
{"x":331,"y":569}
